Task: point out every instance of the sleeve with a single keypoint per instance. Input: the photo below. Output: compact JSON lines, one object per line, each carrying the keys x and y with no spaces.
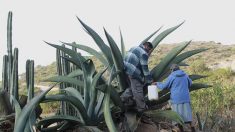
{"x":167,"y":84}
{"x":145,"y":69}
{"x":190,"y":82}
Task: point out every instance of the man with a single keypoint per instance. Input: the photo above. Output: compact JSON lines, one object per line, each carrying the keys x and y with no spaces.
{"x":136,"y":67}
{"x":179,"y":83}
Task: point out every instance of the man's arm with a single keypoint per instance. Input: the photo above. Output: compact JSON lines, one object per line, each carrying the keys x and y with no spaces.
{"x":166,"y":84}
{"x":145,"y":69}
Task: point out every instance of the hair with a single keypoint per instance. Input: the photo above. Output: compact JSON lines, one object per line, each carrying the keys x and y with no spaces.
{"x":149,"y":44}
{"x":174,"y":67}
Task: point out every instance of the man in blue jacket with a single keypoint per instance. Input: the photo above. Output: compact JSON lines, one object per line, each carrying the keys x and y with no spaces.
{"x":136,"y":68}
{"x":179,"y":83}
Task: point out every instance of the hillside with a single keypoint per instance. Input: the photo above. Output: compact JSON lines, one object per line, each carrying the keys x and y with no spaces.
{"x":218,"y":56}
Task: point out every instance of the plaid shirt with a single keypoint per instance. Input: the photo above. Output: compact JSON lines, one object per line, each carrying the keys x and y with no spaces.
{"x":136,"y":64}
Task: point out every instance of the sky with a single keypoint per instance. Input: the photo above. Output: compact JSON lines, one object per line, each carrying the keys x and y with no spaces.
{"x":55,"y":20}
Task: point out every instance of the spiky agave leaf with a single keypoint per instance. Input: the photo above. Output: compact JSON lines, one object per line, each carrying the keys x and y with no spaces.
{"x":178,"y":59}
{"x":23,"y":117}
{"x":94,"y":92}
{"x":123,"y":49}
{"x":163,"y":34}
{"x":150,"y":36}
{"x":169,"y":114}
{"x":64,"y":79}
{"x":159,"y":69}
{"x":74,"y":92}
{"x":106,"y":106}
{"x":100,"y":43}
{"x":166,"y":97}
{"x":193,"y":77}
{"x":58,"y":118}
{"x":118,"y":61}
{"x":91,"y":51}
{"x":75,"y":73}
{"x":73,"y":100}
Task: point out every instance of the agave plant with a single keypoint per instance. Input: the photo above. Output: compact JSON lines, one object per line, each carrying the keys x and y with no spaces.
{"x":88,"y":98}
{"x":93,"y":95}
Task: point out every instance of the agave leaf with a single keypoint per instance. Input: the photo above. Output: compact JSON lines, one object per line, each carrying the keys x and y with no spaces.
{"x":65,"y":80}
{"x":122,"y":44}
{"x":94,"y":92}
{"x":51,"y":129}
{"x":187,"y":54}
{"x":73,"y":92}
{"x":91,"y":51}
{"x":196,"y":77}
{"x":75,"y":73}
{"x":88,"y":72}
{"x":113,"y":94}
{"x":65,"y":126}
{"x":103,"y":47}
{"x":22,"y":119}
{"x":73,"y":100}
{"x":73,"y":61}
{"x":91,"y":128}
{"x":193,"y":77}
{"x":159,"y":69}
{"x":76,"y":56}
{"x":17,"y":108}
{"x":169,"y":114}
{"x":132,"y":121}
{"x":106,"y":106}
{"x":163,"y":34}
{"x":58,"y":118}
{"x":150,"y":36}
{"x":165,"y":97}
{"x":118,"y":61}
{"x":99,"y":102}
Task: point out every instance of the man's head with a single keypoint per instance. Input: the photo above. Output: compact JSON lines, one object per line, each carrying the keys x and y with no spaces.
{"x":174,"y":67}
{"x":148,"y":46}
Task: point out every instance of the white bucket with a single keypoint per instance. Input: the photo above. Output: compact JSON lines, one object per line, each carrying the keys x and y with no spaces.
{"x":152,"y":92}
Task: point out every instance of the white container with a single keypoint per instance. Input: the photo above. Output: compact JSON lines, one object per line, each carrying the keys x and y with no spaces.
{"x":152,"y":92}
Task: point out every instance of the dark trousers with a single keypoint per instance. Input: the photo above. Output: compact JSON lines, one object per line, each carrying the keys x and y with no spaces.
{"x":135,"y":92}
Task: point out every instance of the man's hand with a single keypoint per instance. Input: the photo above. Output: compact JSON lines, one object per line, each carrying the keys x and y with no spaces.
{"x":154,"y":83}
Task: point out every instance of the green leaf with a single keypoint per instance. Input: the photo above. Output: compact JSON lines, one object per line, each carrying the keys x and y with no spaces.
{"x":23,"y":117}
{"x":58,"y":118}
{"x":169,"y":114}
{"x":159,"y":69}
{"x":150,"y":36}
{"x":100,"y":43}
{"x":17,"y":108}
{"x":106,"y":106}
{"x":196,"y":77}
{"x":73,"y":100}
{"x":65,"y":79}
{"x":165,"y":97}
{"x":122,"y":45}
{"x":90,"y":51}
{"x":118,"y":61}
{"x":163,"y":34}
{"x":73,"y":92}
{"x":187,"y":54}
{"x":75,"y":73}
{"x":94,"y":93}
{"x":91,"y":128}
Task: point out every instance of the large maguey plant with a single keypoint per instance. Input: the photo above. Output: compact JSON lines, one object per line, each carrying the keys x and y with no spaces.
{"x":90,"y":98}
{"x":106,"y":92}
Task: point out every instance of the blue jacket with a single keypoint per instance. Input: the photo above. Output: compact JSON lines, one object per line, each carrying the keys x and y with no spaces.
{"x":136,"y":64}
{"x":178,"y":82}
